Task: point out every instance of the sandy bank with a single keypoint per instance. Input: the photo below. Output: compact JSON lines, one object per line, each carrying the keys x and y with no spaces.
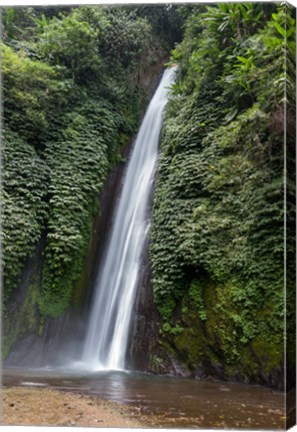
{"x":50,"y":407}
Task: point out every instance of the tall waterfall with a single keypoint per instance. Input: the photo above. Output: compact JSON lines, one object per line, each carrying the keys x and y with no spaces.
{"x":111,"y":312}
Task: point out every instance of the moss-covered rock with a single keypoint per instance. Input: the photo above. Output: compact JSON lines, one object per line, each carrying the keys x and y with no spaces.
{"x":216,"y":346}
{"x":21,"y":316}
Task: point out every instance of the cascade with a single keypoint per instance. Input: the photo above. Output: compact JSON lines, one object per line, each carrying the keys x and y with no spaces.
{"x":112,"y":306}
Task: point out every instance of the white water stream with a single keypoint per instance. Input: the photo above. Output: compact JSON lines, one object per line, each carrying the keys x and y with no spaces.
{"x":111,"y":311}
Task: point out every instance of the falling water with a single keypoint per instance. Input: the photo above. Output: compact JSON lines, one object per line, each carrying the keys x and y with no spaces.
{"x":111,"y":312}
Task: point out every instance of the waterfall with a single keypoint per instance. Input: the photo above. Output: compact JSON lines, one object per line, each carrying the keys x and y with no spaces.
{"x":114,"y":294}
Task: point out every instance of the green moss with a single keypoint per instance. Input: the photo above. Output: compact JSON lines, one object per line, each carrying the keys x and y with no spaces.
{"x":196,"y":298}
{"x":259,"y":357}
{"x":155,"y":363}
{"x":191,"y":341}
{"x":250,"y":367}
{"x":81,"y":286}
{"x":190,"y":346}
{"x":23,"y":320}
{"x":166,"y":328}
{"x":224,"y":338}
{"x":270,"y":354}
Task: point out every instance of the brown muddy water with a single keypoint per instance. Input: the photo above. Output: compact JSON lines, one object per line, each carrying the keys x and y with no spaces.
{"x":168,"y":402}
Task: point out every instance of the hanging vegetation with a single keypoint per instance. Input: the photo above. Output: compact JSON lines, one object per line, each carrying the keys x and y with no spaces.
{"x":217,"y":245}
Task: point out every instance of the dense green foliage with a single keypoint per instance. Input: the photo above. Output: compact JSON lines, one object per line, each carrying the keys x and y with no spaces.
{"x":72,"y":90}
{"x":24,"y":204}
{"x":218,"y":220}
{"x":71,"y":99}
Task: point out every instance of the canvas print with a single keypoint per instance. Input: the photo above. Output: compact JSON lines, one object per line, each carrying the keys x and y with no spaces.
{"x":148,"y":215}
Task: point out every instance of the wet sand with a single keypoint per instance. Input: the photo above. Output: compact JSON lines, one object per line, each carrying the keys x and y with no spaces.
{"x":22,"y":406}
